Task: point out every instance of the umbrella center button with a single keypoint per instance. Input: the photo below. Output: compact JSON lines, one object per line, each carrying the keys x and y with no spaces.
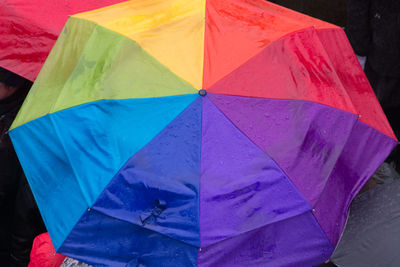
{"x":202,"y":92}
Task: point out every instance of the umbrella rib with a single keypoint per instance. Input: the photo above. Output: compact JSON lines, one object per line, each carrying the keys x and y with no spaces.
{"x":122,"y":166}
{"x":334,"y":70}
{"x":357,"y":187}
{"x":260,"y":51}
{"x":348,"y":103}
{"x":289,"y":180}
{"x":201,"y":156}
{"x":299,"y":100}
{"x":68,"y":157}
{"x":286,"y":99}
{"x":341,"y":152}
{"x":254,"y":143}
{"x":55,"y":103}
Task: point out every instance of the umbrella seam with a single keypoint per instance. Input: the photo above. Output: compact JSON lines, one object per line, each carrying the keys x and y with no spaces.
{"x":265,"y":47}
{"x":356,"y":187}
{"x":286,"y":175}
{"x":68,"y":157}
{"x":50,"y":110}
{"x":100,"y":100}
{"x":337,"y":159}
{"x":316,"y":103}
{"x":287,"y":99}
{"x":131,"y":39}
{"x":280,"y":168}
{"x":204,"y":42}
{"x":98,"y":26}
{"x":74,"y":175}
{"x":341,"y":31}
{"x":201,"y":168}
{"x":341,"y":152}
{"x":122,"y":166}
{"x":314,"y":33}
{"x":73,"y":70}
{"x":334,"y":69}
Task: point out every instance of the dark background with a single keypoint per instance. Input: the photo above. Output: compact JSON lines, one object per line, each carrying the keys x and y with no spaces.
{"x":333,"y":11}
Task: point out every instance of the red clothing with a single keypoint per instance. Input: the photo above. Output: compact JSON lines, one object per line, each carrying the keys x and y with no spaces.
{"x":43,"y":253}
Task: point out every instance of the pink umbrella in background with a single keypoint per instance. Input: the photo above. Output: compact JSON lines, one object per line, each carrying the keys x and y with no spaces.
{"x":29,"y":30}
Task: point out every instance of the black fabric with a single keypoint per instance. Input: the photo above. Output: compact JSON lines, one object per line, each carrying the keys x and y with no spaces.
{"x":387,"y":90}
{"x":357,"y":28}
{"x":373,"y":28}
{"x":10,"y":172}
{"x":11,"y":79}
{"x":27,"y":224}
{"x":20,"y":220}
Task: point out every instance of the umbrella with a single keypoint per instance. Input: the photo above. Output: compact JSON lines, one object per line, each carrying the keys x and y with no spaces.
{"x":29,"y":30}
{"x":371,"y":234}
{"x":210,"y":133}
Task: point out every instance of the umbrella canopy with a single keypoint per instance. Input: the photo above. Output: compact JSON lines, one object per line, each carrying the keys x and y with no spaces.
{"x":371,"y":236}
{"x":210,"y":133}
{"x":29,"y":30}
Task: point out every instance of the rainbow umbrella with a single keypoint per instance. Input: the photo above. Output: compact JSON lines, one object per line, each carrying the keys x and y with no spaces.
{"x":209,"y":133}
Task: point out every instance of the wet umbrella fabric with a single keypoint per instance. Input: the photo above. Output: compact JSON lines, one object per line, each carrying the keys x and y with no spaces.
{"x":29,"y":30}
{"x":371,"y":234}
{"x":206,"y":133}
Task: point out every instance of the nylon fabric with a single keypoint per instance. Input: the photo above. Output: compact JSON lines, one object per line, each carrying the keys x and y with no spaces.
{"x":242,"y":189}
{"x":29,"y":30}
{"x":354,"y":80}
{"x":166,"y":170}
{"x":60,"y":201}
{"x":304,"y":138}
{"x":237,"y":30}
{"x":297,"y":241}
{"x":118,"y":247}
{"x":171,"y":31}
{"x":86,"y":157}
{"x":90,"y":63}
{"x":55,"y":72}
{"x":294,"y":67}
{"x":132,"y":166}
{"x":363,"y":153}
